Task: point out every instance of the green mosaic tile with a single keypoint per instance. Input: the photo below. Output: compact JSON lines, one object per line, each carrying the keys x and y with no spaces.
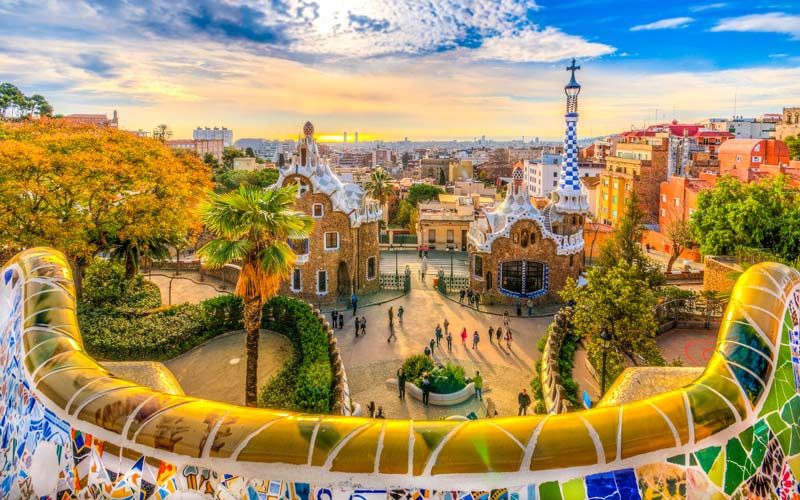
{"x":706,"y":457}
{"x":692,"y":460}
{"x":550,"y":490}
{"x":746,"y":438}
{"x":761,"y":437}
{"x":775,"y":423}
{"x":678,"y":460}
{"x":574,"y":490}
{"x":717,"y":470}
{"x":794,"y":464}
{"x":734,"y":467}
{"x":785,"y":439}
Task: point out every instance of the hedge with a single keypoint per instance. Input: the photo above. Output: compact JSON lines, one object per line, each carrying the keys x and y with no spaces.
{"x":304,"y":383}
{"x":111,"y":333}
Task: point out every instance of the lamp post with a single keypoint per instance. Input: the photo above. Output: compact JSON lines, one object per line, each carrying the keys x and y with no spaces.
{"x":606,"y":337}
{"x":451,"y":250}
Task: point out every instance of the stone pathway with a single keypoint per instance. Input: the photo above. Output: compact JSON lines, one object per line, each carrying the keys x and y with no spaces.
{"x":216,"y":369}
{"x":370,"y":360}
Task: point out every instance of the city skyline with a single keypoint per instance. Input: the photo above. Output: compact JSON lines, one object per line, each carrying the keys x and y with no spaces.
{"x":429,"y":71}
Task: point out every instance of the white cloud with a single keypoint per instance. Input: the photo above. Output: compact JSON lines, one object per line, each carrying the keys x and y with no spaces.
{"x":701,"y":8}
{"x":547,"y":45}
{"x":671,"y":23}
{"x":773,"y":22}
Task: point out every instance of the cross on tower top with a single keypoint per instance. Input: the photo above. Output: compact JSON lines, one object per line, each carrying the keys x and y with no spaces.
{"x":572,"y":67}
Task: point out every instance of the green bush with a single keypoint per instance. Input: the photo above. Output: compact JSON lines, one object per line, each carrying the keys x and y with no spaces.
{"x":304,"y":383}
{"x":119,"y":334}
{"x":542,"y":343}
{"x":104,"y":285}
{"x":447,"y":379}
{"x":415,"y":366}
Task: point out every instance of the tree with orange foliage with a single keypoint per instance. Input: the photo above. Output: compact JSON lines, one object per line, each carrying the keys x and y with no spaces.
{"x":82,"y":189}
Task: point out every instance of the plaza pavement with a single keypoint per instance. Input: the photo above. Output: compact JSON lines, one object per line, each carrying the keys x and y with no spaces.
{"x":370,"y":360}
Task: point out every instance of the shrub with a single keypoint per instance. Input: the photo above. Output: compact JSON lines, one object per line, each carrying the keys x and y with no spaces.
{"x":542,"y":343}
{"x":415,"y":366}
{"x":304,"y":383}
{"x":104,"y":285}
{"x":447,"y":379}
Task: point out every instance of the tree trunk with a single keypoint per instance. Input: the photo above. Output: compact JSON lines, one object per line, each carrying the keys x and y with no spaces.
{"x":130,"y":266}
{"x":672,"y":259}
{"x":252,"y":323}
{"x":78,"y":267}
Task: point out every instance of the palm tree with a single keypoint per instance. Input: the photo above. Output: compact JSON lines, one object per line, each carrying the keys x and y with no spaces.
{"x":379,"y":187}
{"x":131,"y":250}
{"x":162,"y":132}
{"x":252,"y":227}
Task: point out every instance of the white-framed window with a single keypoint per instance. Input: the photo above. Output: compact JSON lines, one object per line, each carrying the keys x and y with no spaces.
{"x":663,"y":198}
{"x":756,"y":159}
{"x":677,"y":201}
{"x":663,"y":213}
{"x":477,"y":266}
{"x":317,"y":210}
{"x":332,"y":241}
{"x":296,"y":284}
{"x":322,"y":282}
{"x":372,"y":268}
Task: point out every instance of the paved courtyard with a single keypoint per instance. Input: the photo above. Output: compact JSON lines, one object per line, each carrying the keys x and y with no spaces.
{"x":691,"y":347}
{"x":370,"y":360}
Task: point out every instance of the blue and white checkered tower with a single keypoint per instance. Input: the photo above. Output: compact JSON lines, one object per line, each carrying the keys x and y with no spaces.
{"x":569,"y":197}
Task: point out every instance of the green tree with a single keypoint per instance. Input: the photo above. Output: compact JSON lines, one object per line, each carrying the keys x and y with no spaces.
{"x":379,"y":186}
{"x":212,"y":161}
{"x":228,"y":155}
{"x":249,"y":152}
{"x":679,"y":234}
{"x":252,"y":227}
{"x":442,"y":179}
{"x":404,"y":158}
{"x":735,"y":218}
{"x":131,"y":249}
{"x":403,"y":214}
{"x":793,"y":143}
{"x":625,"y":243}
{"x":423,"y":192}
{"x":617,"y":299}
{"x":162,"y":132}
{"x":81,"y":188}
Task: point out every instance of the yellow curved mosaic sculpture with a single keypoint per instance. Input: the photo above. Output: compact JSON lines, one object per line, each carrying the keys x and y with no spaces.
{"x":679,"y":441}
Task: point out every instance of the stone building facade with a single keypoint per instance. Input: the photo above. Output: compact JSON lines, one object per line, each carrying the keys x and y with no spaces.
{"x":342,"y":254}
{"x":518,"y":252}
{"x":789,"y":124}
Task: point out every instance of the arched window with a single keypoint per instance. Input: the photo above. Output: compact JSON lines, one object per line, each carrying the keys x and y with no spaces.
{"x":533,"y":238}
{"x":522,"y":277}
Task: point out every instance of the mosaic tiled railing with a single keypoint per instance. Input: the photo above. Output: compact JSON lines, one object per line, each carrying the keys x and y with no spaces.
{"x":69,"y":429}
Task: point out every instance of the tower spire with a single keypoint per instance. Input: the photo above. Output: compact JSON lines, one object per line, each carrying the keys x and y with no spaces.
{"x":569,"y":197}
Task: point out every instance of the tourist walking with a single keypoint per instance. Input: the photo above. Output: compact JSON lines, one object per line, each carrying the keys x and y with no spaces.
{"x":475,"y":339}
{"x":464,"y":336}
{"x":334,"y":317}
{"x":341,"y":320}
{"x":432,"y":344}
{"x":363,"y":325}
{"x":426,"y":388}
{"x":519,"y":308}
{"x":477,"y":300}
{"x":438,"y":333}
{"x":530,"y":307}
{"x":426,"y":250}
{"x":449,"y":342}
{"x":469,"y":297}
{"x":461,"y":295}
{"x":419,"y":249}
{"x":380,"y":413}
{"x":400,"y":314}
{"x":428,"y":352}
{"x":491,"y":335}
{"x":446,"y":326}
{"x":505,"y":319}
{"x":401,"y":383}
{"x":524,"y":401}
{"x":423,"y":268}
{"x":391,"y":317}
{"x":509,"y":338}
{"x":478,"y":381}
{"x":354,"y":303}
{"x":358,"y":324}
{"x":499,"y":334}
{"x":371,"y":409}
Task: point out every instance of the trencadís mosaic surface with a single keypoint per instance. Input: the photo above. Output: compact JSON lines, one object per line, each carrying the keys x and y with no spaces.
{"x":69,"y":429}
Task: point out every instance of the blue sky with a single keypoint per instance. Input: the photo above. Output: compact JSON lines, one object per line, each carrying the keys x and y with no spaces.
{"x":389,"y":68}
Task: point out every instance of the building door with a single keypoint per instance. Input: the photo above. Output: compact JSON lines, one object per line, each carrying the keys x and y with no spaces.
{"x":463,"y":240}
{"x":343,"y":280}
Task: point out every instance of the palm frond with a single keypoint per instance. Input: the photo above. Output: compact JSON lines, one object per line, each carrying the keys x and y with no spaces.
{"x":221,"y":251}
